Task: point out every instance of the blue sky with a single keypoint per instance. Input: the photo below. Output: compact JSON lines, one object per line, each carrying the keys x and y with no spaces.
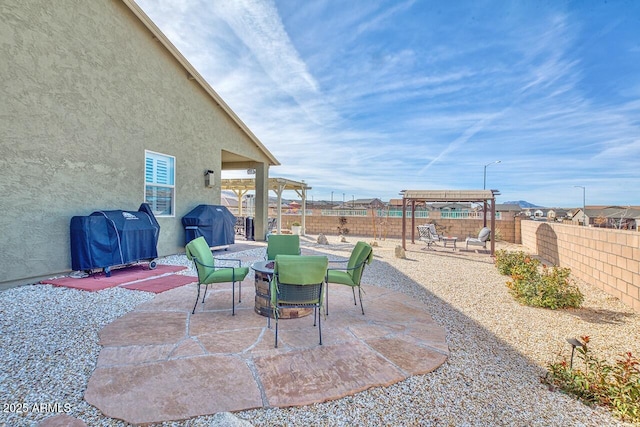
{"x":366,"y":98}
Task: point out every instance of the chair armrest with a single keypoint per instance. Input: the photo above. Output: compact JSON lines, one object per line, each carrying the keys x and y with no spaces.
{"x":216,"y":267}
{"x":347,"y":269}
{"x":229,"y":260}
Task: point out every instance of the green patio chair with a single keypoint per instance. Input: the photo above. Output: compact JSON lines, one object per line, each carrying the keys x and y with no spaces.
{"x":351,"y":275}
{"x":282,"y":244}
{"x":199,"y":252}
{"x":298,"y":281}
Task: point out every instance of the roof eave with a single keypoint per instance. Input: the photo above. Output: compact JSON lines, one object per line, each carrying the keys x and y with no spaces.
{"x":195,"y":75}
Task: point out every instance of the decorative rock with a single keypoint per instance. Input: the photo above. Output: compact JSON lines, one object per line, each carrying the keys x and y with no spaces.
{"x":227,"y":419}
{"x":322,"y":239}
{"x":343,"y":239}
{"x":400,"y":252}
{"x":62,"y":420}
{"x":374,"y":244}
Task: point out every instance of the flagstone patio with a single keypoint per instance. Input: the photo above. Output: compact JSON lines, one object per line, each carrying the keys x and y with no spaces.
{"x":162,"y":363}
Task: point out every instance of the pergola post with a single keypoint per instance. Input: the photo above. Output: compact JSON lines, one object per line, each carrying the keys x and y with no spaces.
{"x":493,"y":226}
{"x":404,"y":223}
{"x":413,"y":221}
{"x":303,"y":196}
{"x":278,"y":190}
{"x":261,"y":209}
{"x":239,"y":194}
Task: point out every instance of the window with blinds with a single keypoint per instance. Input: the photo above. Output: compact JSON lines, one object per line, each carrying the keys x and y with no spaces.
{"x":159,"y":177}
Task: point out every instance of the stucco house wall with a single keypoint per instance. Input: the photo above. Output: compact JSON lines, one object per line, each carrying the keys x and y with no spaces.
{"x":86,"y":89}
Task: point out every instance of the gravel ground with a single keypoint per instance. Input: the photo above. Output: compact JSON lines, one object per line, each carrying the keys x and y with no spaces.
{"x":499,"y":349}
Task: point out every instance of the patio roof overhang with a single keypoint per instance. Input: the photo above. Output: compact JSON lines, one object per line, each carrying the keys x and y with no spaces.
{"x":240,"y":186}
{"x":474,"y":196}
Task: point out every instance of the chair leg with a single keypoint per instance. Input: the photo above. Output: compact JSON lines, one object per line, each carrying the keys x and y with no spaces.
{"x":233,"y":298}
{"x":319,"y":325}
{"x":276,"y":316}
{"x":197,"y":298}
{"x":206,"y":288}
{"x":360,"y":296}
{"x":326,"y":297}
{"x":354,"y":296}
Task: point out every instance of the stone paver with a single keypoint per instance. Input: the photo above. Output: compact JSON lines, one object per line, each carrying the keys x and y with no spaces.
{"x":211,"y":362}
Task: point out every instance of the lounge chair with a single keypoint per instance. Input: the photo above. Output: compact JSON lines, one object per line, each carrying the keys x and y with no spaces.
{"x":426,"y":235}
{"x":481,"y":240}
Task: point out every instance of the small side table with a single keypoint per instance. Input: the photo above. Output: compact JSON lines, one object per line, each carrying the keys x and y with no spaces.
{"x":446,"y":241}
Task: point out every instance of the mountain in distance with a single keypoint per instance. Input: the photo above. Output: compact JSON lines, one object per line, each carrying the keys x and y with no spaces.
{"x":522,"y":204}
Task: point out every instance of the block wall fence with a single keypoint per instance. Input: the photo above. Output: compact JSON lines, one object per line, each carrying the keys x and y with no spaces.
{"x":507,"y":229}
{"x":606,"y":258}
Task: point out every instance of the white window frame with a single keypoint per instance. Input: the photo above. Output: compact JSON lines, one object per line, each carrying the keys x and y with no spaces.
{"x":153,"y":185}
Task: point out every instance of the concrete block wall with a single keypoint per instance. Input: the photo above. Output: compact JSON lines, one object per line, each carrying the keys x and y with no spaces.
{"x":392,"y":227}
{"x":606,"y":258}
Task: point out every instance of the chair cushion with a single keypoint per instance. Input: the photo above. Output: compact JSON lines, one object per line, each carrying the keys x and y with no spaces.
{"x":484,"y":234}
{"x":227,"y":275}
{"x":362,"y":253}
{"x":199,"y":249}
{"x":283,"y":244}
{"x":341,"y":277}
{"x":298,"y":270}
{"x":301,"y":270}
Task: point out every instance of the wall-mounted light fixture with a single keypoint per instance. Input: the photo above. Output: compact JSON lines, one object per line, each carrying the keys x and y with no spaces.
{"x":209,"y":178}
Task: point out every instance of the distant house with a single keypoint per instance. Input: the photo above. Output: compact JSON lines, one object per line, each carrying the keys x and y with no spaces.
{"x":508,"y":207}
{"x":546,"y":214}
{"x":620,"y":217}
{"x":361,"y":204}
{"x":101,"y":112}
{"x":451,"y":207}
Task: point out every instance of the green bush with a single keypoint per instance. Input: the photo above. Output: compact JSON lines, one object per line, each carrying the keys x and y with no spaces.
{"x":536,"y":285}
{"x":616,"y":386}
{"x":506,"y":261}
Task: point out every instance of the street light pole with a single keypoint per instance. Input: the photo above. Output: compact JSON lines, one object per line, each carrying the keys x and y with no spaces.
{"x":484,"y":185}
{"x":584,"y":206}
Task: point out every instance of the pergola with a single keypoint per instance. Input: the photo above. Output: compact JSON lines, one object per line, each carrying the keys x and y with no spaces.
{"x":410,"y":197}
{"x":241,"y":186}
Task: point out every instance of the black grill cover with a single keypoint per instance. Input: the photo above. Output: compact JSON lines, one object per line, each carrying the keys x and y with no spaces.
{"x":214,"y":222}
{"x":108,"y":238}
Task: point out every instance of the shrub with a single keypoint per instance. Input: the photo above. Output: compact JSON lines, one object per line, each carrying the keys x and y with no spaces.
{"x":342,"y":229}
{"x":616,"y":386}
{"x":506,"y":261}
{"x":538,"y":286}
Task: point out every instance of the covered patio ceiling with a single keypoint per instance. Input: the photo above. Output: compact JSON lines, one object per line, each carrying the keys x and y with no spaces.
{"x":240,"y":186}
{"x":412,"y":197}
